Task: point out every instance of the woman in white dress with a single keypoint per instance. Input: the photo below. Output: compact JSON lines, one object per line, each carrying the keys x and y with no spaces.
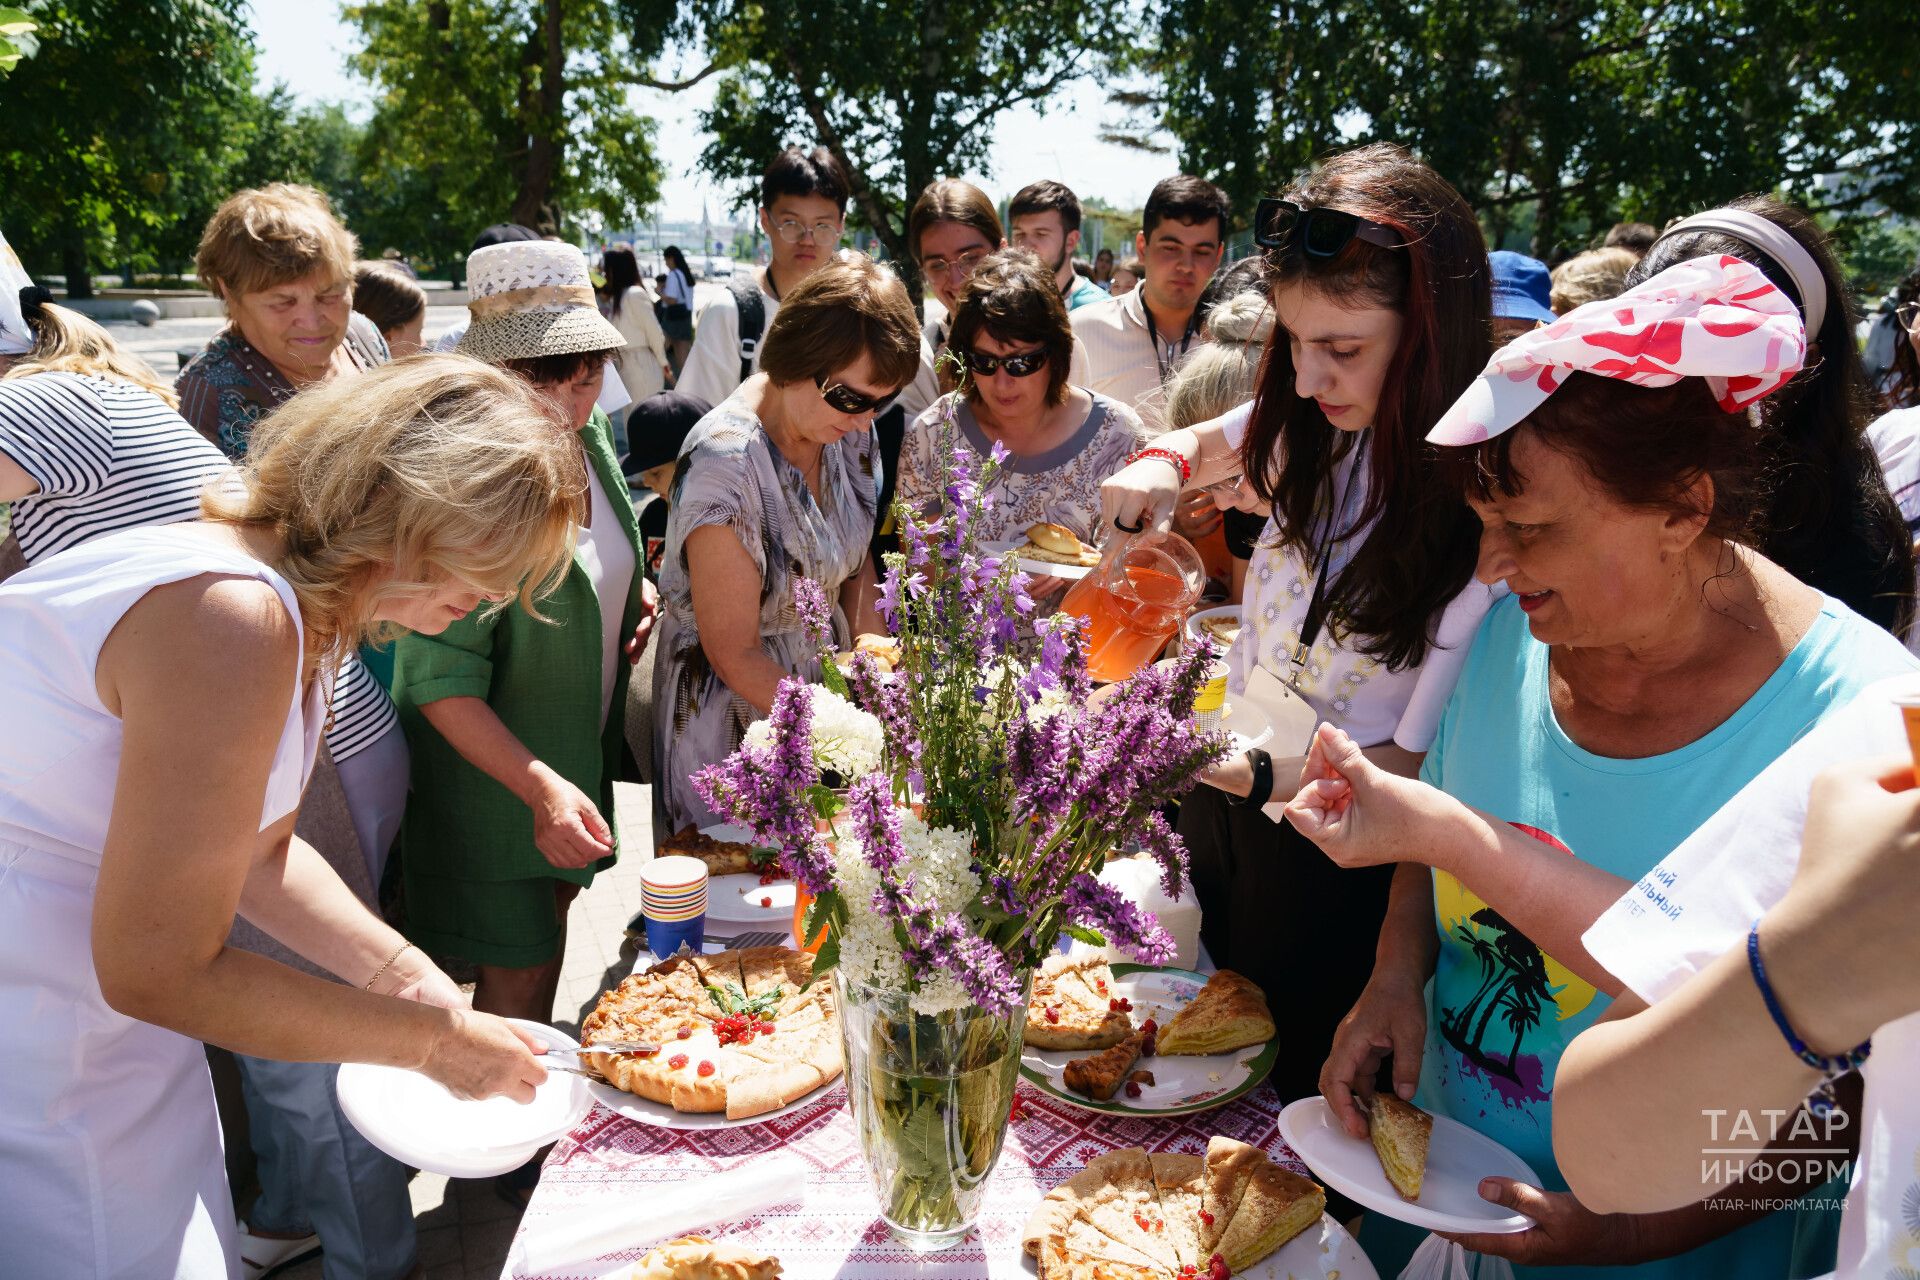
{"x":164,"y":690}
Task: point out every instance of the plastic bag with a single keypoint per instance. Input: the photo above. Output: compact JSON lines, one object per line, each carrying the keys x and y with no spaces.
{"x":1438,"y":1259}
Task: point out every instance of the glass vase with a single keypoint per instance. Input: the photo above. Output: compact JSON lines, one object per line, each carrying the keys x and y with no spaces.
{"x":930,"y":1096}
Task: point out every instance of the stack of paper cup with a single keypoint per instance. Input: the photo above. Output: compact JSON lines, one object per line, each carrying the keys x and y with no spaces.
{"x":673,"y":900}
{"x":1211,"y":701}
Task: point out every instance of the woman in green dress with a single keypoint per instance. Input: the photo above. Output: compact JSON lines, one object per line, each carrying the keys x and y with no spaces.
{"x":516,"y":720}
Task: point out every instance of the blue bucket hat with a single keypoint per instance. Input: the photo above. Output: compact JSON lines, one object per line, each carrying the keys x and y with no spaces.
{"x":1522,"y":287}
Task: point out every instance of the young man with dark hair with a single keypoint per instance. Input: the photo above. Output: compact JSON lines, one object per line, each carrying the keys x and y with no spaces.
{"x":1045,"y":220}
{"x":1127,"y":347}
{"x":803,"y":210}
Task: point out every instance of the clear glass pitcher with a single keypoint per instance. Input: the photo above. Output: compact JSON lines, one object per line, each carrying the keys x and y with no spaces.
{"x":1135,"y":601}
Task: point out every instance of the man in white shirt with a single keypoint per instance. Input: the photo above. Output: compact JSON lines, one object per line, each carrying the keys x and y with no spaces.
{"x":803,"y":210}
{"x":1127,"y":347}
{"x":1045,"y":218}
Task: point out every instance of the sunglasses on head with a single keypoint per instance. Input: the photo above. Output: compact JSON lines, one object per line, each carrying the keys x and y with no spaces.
{"x":844,"y":399}
{"x":1290,"y":228}
{"x":1019,"y":366}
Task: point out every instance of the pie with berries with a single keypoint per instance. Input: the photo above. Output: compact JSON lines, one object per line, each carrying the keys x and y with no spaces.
{"x":723,"y":857}
{"x":1076,"y":1006}
{"x":738,"y":1032}
{"x":1169,"y":1215}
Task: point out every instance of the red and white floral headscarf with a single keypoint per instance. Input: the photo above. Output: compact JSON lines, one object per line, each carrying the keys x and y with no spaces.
{"x":1715,"y":318}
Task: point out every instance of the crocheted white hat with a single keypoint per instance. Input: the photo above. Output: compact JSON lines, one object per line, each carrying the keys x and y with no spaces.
{"x":531,"y":298}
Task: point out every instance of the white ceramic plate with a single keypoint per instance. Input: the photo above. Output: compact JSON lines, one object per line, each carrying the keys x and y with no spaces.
{"x":416,"y":1121}
{"x":1457,"y":1158}
{"x":1038,"y":568}
{"x":1325,"y":1252}
{"x":1198,"y":616}
{"x":739,"y":899}
{"x":1181,"y":1084}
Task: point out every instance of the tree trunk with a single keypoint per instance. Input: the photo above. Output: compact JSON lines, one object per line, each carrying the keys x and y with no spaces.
{"x":533,"y":206}
{"x":73,"y":260}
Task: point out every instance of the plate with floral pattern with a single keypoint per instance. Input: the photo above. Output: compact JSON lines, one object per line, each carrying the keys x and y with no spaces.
{"x":1181,"y":1084}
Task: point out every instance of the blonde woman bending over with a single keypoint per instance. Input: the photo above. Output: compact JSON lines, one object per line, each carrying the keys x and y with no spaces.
{"x":164,"y":690}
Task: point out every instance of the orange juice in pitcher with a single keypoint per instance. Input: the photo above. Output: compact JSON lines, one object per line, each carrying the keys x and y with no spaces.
{"x":1135,"y":601}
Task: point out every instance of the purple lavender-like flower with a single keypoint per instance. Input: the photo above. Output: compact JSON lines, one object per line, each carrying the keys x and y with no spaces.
{"x":976,"y":964}
{"x":1098,"y":905}
{"x":816,"y":614}
{"x":887,"y":700}
{"x":764,"y":789}
{"x":1167,"y":849}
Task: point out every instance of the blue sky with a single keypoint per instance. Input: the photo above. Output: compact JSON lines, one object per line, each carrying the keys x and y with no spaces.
{"x":305,"y":43}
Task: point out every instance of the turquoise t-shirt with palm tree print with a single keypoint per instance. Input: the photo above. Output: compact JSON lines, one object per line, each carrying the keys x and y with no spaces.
{"x":1500,"y":1011}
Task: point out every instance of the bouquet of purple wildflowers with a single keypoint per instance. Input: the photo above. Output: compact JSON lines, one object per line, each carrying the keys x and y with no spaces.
{"x":954,"y":866}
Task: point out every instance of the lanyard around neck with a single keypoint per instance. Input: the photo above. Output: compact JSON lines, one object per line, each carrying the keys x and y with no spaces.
{"x":1317,"y":604}
{"x":1153,"y":333}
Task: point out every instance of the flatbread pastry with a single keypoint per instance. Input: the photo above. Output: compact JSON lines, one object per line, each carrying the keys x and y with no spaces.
{"x":1229,"y":1013}
{"x":1400,"y":1133}
{"x":698,"y":1258}
{"x":1073,"y":1006}
{"x":738,"y":1032}
{"x":1056,"y":544}
{"x":1181,"y":1181}
{"x":1278,"y":1205}
{"x":1102,"y":1075}
{"x":723,"y":857}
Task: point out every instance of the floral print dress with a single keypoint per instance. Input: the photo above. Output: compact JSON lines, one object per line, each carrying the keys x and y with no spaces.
{"x":730,"y":474}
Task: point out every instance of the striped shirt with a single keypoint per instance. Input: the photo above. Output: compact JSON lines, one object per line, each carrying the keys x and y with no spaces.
{"x":106,"y":454}
{"x":1113,"y":355}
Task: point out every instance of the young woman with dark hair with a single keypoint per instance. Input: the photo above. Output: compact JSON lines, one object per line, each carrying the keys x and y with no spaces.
{"x":1359,"y":599}
{"x":676,"y":306}
{"x":643,"y":363}
{"x":1829,"y":519}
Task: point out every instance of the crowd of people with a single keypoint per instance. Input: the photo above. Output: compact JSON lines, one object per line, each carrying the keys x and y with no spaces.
{"x":1576,"y":596}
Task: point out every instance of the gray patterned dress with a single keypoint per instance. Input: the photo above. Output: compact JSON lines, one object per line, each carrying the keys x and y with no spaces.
{"x":730,"y":474}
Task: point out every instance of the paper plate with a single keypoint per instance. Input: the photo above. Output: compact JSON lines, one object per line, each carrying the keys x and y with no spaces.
{"x":661,"y":1116}
{"x":738,"y":898}
{"x":416,"y":1121}
{"x":1193,"y":630}
{"x":1457,"y":1158}
{"x":1038,"y":568}
{"x":1182,"y":1084}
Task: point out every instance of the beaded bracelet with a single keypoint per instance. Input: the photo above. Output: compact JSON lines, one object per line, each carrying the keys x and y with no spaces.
{"x":1180,"y":464}
{"x":1830,"y":1069}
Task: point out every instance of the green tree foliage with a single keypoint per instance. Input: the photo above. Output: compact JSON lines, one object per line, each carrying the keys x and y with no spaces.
{"x":903,"y":91}
{"x":495,"y":110}
{"x":17,"y":39}
{"x":1553,"y":117}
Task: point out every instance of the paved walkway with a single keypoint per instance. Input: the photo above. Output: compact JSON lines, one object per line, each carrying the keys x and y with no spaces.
{"x":464,"y":1227}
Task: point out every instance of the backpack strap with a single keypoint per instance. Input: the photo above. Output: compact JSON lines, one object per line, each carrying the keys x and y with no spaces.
{"x":747,"y":300}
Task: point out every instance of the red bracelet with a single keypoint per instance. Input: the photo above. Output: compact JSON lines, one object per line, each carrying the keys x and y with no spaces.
{"x":1166,"y":455}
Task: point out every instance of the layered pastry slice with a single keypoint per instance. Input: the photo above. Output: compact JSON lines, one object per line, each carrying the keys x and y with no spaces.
{"x":1229,"y":1013}
{"x":1400,"y":1133}
{"x":1056,"y":544}
{"x":1275,"y":1205}
{"x":1102,"y":1075}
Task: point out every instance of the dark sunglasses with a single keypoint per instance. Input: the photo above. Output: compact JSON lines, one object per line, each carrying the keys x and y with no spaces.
{"x":1019,"y":366}
{"x":1283,"y":225}
{"x":844,"y":399}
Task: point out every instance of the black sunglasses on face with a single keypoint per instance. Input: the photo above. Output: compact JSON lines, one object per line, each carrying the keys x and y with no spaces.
{"x":1282,"y":224}
{"x":844,"y":399}
{"x":1020,"y":366}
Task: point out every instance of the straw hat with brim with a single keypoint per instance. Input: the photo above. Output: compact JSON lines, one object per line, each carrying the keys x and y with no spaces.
{"x":532,"y":298}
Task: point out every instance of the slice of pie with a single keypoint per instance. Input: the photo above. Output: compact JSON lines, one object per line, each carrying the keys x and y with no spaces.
{"x":1230,"y":1166}
{"x":698,"y":1258}
{"x":1126,"y":1208}
{"x":1277,"y":1206}
{"x":1181,"y":1181}
{"x":1229,"y":1013}
{"x":1400,"y":1133}
{"x":1072,"y":1006}
{"x":1102,"y":1075}
{"x":723,"y":857}
{"x":1056,"y":544}
{"x":1084,"y":1252}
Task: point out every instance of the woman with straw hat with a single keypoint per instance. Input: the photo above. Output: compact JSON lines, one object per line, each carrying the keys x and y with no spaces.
{"x":515,"y":721}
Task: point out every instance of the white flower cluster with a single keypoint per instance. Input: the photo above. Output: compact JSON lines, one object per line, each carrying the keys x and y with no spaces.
{"x":845,"y":739}
{"x":940,"y":862}
{"x":1051,"y":702}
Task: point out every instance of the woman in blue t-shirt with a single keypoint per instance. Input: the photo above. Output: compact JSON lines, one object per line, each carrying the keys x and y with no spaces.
{"x":1647,"y":665}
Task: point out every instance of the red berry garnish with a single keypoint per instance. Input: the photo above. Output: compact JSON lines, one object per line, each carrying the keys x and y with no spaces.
{"x":1053,"y":1014}
{"x":1140,"y":1221}
{"x":1217,"y":1268}
{"x":684,"y":1033}
{"x":677,"y":1061}
{"x":1133,"y":1089}
{"x":705,"y":1068}
{"x":1101,"y":983}
{"x":767,"y":900}
{"x":765,"y":1028}
{"x":1206,"y":1217}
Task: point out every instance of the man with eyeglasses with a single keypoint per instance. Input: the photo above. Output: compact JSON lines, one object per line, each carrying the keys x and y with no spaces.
{"x":803,"y":208}
{"x":1126,"y":348}
{"x":1045,"y":218}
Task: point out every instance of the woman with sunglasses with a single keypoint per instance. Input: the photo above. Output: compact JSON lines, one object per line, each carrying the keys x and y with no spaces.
{"x":1359,"y":598}
{"x":1010,"y":330}
{"x":778,"y":483}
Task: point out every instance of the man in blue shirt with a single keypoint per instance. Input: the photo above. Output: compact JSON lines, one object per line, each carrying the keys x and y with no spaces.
{"x":1045,"y":220}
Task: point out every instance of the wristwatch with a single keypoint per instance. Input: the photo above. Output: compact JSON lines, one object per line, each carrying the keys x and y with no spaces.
{"x":1262,"y":790}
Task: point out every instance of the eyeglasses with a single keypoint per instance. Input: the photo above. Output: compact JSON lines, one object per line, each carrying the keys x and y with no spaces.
{"x":1316,"y":233}
{"x":964,"y":264}
{"x":844,"y":399}
{"x":1023,"y":365}
{"x":793,"y":231}
{"x":1909,"y":316}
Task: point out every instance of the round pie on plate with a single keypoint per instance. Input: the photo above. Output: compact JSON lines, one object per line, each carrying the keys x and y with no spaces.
{"x":738,"y":1032}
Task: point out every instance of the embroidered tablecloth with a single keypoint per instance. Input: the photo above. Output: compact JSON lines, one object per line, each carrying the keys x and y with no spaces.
{"x":836,"y":1231}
